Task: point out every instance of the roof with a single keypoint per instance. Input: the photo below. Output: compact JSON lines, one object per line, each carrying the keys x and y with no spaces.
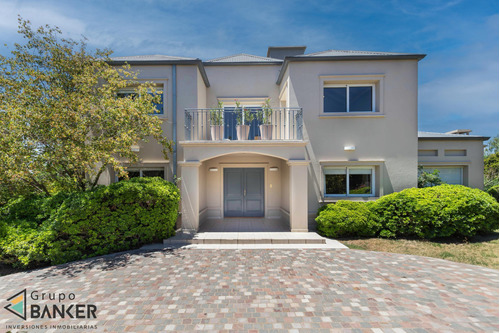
{"x":341,"y":53}
{"x":243,"y":59}
{"x":151,"y":57}
{"x":338,"y":55}
{"x":160,"y":59}
{"x":447,"y":136}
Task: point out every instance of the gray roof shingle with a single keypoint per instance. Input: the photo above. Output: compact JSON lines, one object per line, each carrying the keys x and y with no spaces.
{"x":244,"y":58}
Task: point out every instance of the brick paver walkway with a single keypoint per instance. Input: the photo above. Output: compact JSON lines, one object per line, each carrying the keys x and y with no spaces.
{"x":266,"y":290}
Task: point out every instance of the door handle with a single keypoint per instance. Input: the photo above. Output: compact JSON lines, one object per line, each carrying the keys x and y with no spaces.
{"x":245,"y":192}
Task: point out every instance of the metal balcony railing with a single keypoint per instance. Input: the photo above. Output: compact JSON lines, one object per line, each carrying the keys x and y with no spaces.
{"x":222,"y":124}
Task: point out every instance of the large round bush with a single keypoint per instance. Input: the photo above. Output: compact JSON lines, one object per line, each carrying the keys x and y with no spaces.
{"x":440,"y":211}
{"x":122,"y":216}
{"x":347,"y":218}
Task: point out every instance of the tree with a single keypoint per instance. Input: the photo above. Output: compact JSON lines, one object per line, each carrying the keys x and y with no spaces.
{"x":492,"y":146}
{"x":491,"y":163}
{"x":427,"y":179}
{"x":61,"y":120}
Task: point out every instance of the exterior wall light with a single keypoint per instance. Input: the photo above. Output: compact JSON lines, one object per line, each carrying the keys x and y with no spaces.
{"x":349,"y":148}
{"x":273,"y":169}
{"x":213,"y":169}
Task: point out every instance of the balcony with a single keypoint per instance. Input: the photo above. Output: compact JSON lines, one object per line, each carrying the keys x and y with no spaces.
{"x":224,"y":125}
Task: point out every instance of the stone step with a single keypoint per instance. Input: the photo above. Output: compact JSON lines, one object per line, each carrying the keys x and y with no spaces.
{"x":246,"y":238}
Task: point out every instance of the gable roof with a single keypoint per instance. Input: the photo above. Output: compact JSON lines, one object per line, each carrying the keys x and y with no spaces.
{"x":243,"y":59}
{"x":447,"y":136}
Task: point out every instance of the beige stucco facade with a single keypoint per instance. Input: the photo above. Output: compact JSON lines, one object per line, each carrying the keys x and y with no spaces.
{"x":384,"y":141}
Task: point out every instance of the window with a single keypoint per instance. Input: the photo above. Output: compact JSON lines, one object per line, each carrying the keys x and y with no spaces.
{"x":427,"y":152}
{"x":231,"y":121}
{"x":149,"y":172}
{"x":448,"y":175}
{"x":349,"y":181}
{"x":455,"y":152}
{"x":349,"y":98}
{"x":123,"y":93}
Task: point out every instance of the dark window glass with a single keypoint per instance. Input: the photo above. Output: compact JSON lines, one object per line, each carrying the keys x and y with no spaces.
{"x":360,"y":99}
{"x":153,"y":173}
{"x":335,"y":99}
{"x":159,"y":106}
{"x":360,"y":181}
{"x":231,"y":121}
{"x":254,"y":124}
{"x":336,"y":184}
{"x":230,"y":124}
{"x":134,"y":173}
{"x":126,"y":94}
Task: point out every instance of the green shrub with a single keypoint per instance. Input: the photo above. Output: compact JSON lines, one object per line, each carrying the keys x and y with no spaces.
{"x":72,"y":226}
{"x":347,"y":218}
{"x":493,"y":191}
{"x":440,"y":211}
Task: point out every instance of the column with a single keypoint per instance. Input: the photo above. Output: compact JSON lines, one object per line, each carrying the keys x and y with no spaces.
{"x":190,"y":196}
{"x":298,"y":195}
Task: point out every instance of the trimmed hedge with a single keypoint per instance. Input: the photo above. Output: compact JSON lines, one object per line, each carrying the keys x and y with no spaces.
{"x":431,"y":212}
{"x":347,"y":218}
{"x":66,"y":227}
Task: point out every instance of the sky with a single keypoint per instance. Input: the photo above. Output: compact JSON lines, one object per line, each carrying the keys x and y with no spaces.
{"x":458,"y":80}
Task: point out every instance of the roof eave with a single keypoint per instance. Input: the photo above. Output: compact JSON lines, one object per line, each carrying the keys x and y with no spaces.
{"x":465,"y":137}
{"x":243,"y":63}
{"x":196,"y":62}
{"x":287,"y":60}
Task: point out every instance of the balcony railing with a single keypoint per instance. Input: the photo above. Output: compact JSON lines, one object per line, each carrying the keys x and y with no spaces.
{"x":223,"y":124}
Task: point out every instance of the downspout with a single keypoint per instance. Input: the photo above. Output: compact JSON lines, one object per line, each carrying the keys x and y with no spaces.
{"x":174,"y":119}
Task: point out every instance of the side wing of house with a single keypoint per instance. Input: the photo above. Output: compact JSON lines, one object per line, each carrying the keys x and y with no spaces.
{"x":458,"y":158}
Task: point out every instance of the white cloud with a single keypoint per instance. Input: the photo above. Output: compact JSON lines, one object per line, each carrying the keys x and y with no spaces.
{"x":39,"y":14}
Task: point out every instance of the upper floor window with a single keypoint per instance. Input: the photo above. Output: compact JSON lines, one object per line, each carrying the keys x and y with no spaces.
{"x":131,"y":92}
{"x":349,"y":98}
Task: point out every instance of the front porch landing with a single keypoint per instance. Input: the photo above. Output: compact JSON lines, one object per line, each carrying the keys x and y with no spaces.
{"x":244,"y":224}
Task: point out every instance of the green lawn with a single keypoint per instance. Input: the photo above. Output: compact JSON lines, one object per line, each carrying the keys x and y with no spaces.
{"x":481,"y":250}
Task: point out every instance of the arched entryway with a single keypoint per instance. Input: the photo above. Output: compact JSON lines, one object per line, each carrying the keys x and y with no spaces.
{"x":244,"y":191}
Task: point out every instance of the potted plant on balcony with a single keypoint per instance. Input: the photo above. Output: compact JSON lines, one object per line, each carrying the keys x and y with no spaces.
{"x":243,"y":117}
{"x":217,"y":122}
{"x":264,"y":116}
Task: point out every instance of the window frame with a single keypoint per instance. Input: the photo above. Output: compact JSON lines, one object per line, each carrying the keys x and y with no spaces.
{"x":347,"y":168}
{"x":158,"y":86}
{"x":163,"y":169}
{"x":347,"y":86}
{"x":431,"y":168}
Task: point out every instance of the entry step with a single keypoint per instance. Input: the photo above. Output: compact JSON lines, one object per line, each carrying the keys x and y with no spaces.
{"x":246,"y":238}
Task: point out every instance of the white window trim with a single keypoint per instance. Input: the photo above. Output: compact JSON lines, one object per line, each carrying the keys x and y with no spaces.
{"x":347,"y":86}
{"x":347,"y":168}
{"x":377,"y":79}
{"x":160,"y":84}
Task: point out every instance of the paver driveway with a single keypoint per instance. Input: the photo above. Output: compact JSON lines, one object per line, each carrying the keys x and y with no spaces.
{"x":270,"y":290}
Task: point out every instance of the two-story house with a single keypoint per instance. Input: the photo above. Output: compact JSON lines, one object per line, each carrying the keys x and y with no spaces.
{"x":275,"y":137}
